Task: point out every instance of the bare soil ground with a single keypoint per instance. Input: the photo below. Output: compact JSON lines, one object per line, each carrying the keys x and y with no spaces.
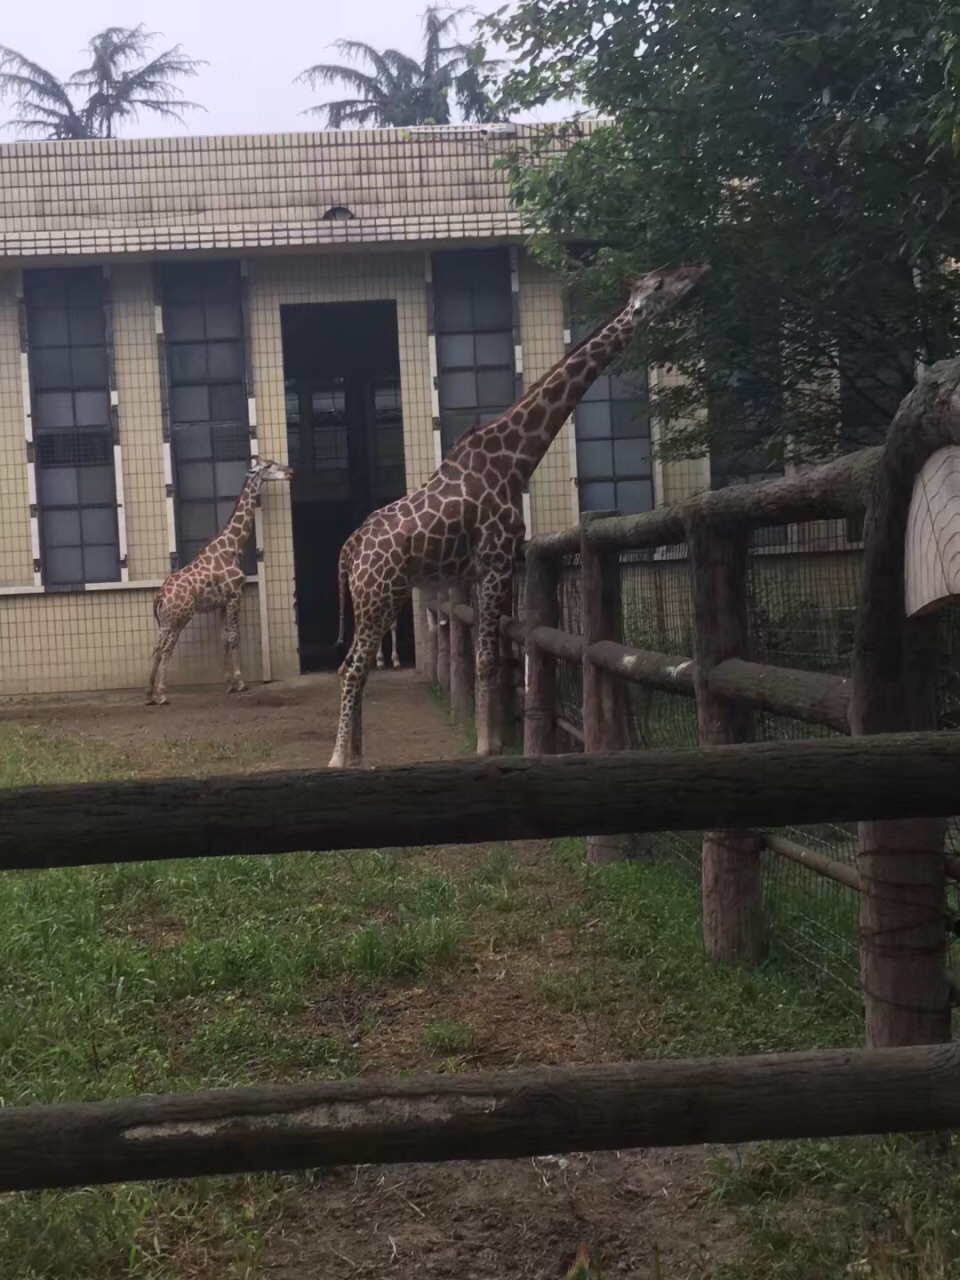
{"x":292,"y":724}
{"x":644,"y":1213}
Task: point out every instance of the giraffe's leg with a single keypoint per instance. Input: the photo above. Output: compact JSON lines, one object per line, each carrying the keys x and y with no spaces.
{"x":395,"y":659}
{"x":494,"y":598}
{"x":348,"y":748}
{"x":169,"y":635}
{"x":381,"y":654}
{"x":373,"y":617}
{"x":231,"y":645}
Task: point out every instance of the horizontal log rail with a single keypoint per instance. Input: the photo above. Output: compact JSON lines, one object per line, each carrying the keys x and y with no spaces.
{"x":751,"y":785}
{"x":570,"y":729}
{"x":481,"y":1117}
{"x":512,"y":628}
{"x":833,"y":491}
{"x":831,"y":868}
{"x":812,"y":696}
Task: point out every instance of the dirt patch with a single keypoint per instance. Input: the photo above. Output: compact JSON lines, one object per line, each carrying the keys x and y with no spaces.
{"x":508,"y":1219}
{"x":289,"y":725}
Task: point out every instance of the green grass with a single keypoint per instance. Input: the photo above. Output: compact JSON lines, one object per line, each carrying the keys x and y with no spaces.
{"x":454,"y":1038}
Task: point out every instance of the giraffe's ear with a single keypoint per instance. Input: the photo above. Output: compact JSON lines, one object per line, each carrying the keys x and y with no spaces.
{"x":254,"y":461}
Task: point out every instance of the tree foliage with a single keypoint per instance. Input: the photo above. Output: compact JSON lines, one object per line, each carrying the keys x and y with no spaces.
{"x":806,"y":148}
{"x":398,"y":91}
{"x":120,"y":81}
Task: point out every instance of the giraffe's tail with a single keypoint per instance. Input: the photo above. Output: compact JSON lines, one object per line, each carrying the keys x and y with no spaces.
{"x":343,"y":586}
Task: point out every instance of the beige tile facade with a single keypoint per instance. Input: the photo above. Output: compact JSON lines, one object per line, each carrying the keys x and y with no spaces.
{"x":260,"y":201}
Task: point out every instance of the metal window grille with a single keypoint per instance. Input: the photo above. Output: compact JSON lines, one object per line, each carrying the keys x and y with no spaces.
{"x":209,"y":422}
{"x":473,"y":308}
{"x":73,"y":426}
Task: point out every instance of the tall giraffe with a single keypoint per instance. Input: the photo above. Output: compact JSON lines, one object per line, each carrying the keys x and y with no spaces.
{"x":213,"y":580}
{"x":464,"y":527}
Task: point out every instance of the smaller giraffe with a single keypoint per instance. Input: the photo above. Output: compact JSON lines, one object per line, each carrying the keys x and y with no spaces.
{"x":382,"y":651}
{"x":213,"y":580}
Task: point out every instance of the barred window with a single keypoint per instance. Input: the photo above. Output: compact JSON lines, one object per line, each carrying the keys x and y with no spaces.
{"x":614,"y":454}
{"x":72,"y":426}
{"x":473,"y":310}
{"x":209,"y":424}
{"x":388,"y":470}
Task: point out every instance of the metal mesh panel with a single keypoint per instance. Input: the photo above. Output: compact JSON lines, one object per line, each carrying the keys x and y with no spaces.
{"x":802,"y":600}
{"x":569,"y":676}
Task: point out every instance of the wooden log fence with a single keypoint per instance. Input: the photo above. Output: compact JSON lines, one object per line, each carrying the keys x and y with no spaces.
{"x":742,"y":786}
{"x":481,"y":1117}
{"x":903,"y":919}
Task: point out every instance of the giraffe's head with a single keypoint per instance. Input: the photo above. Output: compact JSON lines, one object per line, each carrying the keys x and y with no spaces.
{"x":660,"y":290}
{"x":263,"y":469}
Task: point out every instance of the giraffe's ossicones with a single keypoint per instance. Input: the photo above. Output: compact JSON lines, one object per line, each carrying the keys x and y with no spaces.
{"x":465,"y":525}
{"x":213,"y":580}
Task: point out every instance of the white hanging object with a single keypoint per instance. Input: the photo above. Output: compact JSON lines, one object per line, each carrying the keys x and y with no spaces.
{"x":931,"y":554}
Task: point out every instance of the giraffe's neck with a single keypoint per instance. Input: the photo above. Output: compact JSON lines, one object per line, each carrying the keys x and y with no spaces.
{"x":528,"y":430}
{"x":240,"y":526}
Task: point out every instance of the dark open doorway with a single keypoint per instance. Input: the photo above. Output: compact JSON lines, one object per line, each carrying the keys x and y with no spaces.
{"x":341,"y":364}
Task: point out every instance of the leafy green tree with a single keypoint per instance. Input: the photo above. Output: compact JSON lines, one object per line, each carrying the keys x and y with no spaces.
{"x":806,"y":148}
{"x":120,"y":81}
{"x":398,"y":91}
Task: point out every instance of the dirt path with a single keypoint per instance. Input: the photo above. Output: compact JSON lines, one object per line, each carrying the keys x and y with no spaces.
{"x":286,"y":725}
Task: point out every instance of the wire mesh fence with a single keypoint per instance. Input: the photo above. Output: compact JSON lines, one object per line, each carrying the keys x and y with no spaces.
{"x":803,"y":592}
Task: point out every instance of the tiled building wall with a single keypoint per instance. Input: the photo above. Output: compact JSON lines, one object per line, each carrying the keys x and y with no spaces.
{"x":161,"y":194}
{"x":16,"y":556}
{"x":675,"y":481}
{"x":67,"y":642}
{"x":553,"y":493}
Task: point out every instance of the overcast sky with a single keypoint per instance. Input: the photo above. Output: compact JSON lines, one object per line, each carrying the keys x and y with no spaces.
{"x":254,"y":48}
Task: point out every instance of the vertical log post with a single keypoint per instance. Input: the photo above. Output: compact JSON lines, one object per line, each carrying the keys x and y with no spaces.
{"x":733,"y":919}
{"x":430,"y":662}
{"x":461,"y":662}
{"x":540,"y":668}
{"x":604,"y":703}
{"x":902,"y":865}
{"x":443,"y":644}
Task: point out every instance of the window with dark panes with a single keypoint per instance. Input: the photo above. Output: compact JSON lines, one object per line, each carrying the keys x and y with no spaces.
{"x":209,"y":426}
{"x":473,"y":319}
{"x":614,"y":454}
{"x":389,"y":474}
{"x":72,"y":426}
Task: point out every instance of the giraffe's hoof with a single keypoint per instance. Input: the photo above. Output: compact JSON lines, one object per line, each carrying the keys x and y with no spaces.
{"x":158,"y":702}
{"x":396,"y":666}
{"x":336,"y":761}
